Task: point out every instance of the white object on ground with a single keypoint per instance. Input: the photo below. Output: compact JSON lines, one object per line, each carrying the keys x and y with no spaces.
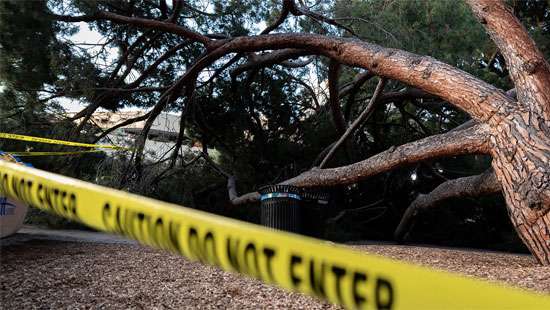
{"x":12,"y":215}
{"x":12,"y":212}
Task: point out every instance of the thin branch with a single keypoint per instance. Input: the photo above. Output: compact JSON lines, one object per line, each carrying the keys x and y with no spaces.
{"x":409,"y":116}
{"x":389,"y":34}
{"x":176,"y":10}
{"x":193,"y":9}
{"x":138,"y":22}
{"x":124,"y":57}
{"x":302,"y":10}
{"x":296,"y":63}
{"x":334,"y":100}
{"x":122,"y":124}
{"x":471,"y":186}
{"x":357,"y":211}
{"x":284,"y":14}
{"x":268,"y":59}
{"x":304,"y":84}
{"x":322,"y":155}
{"x":357,"y":82}
{"x":406,"y":94}
{"x":352,"y":89}
{"x":163,"y":9}
{"x":169,"y":53}
{"x":132,"y":90}
{"x":362,"y":117}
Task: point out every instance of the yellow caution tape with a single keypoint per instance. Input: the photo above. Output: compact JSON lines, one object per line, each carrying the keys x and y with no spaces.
{"x":25,"y":154}
{"x":13,"y":136}
{"x":336,"y":273}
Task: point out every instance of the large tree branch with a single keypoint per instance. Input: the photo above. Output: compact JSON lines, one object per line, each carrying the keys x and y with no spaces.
{"x":480,"y":99}
{"x":469,"y":141}
{"x":472,"y":140}
{"x":528,"y":68}
{"x":471,"y":186}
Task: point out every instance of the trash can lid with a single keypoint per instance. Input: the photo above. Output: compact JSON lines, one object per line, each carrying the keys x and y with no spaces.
{"x":315,"y":194}
{"x":278,"y":188}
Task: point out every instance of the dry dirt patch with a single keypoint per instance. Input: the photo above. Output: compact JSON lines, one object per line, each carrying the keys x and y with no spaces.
{"x":54,"y":274}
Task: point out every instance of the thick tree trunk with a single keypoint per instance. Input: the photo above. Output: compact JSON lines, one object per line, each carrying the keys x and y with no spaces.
{"x":520,"y":132}
{"x":521,"y":154}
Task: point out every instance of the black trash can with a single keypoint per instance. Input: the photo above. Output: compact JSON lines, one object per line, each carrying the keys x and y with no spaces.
{"x":280,"y":207}
{"x":315,"y":202}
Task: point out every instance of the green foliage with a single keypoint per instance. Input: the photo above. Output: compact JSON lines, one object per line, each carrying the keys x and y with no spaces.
{"x":535,"y":14}
{"x":445,"y":30}
{"x":25,"y":36}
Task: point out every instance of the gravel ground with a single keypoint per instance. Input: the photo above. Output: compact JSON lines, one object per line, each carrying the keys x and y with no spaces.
{"x":519,"y":270}
{"x":46,"y":274}
{"x":54,"y":275}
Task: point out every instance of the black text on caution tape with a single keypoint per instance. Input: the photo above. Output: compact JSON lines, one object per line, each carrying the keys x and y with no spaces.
{"x":244,"y":255}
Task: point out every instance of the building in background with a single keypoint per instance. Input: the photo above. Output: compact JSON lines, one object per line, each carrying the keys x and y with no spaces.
{"x":160,"y":140}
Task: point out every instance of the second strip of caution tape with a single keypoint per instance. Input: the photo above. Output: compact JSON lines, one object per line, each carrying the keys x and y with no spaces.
{"x":13,"y":136}
{"x":28,"y":154}
{"x":335,"y":273}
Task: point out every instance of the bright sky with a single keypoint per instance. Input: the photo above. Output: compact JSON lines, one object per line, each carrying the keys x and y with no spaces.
{"x":85,"y":35}
{"x":88,"y":36}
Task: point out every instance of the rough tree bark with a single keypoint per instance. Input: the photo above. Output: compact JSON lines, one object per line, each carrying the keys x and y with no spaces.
{"x":520,"y":133}
{"x":472,"y":140}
